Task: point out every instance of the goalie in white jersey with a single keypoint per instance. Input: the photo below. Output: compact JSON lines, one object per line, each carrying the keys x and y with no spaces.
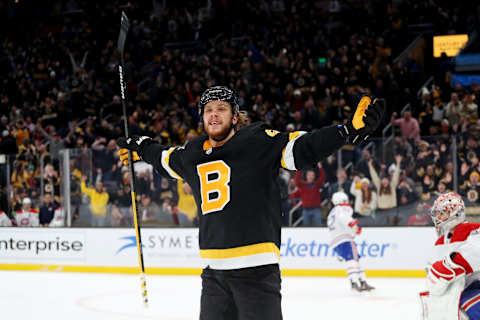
{"x":343,"y":229}
{"x":453,"y":279}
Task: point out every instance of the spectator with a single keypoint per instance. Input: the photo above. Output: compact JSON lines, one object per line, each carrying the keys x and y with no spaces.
{"x":27,"y":216}
{"x":420,"y":217}
{"x":21,"y":133}
{"x":453,"y":110}
{"x":441,"y":188}
{"x":365,"y":199}
{"x":168,"y":213}
{"x":343,"y":183}
{"x":56,"y":142}
{"x":21,"y":178}
{"x":472,"y":189}
{"x":47,"y":210}
{"x":386,"y":187}
{"x":98,"y":202}
{"x":308,"y":191}
{"x":438,"y":112}
{"x":121,"y":201}
{"x":187,"y":209}
{"x":406,"y":186}
{"x":470,"y":108}
{"x":150,"y":212}
{"x":51,"y":182}
{"x":409,"y":126}
{"x":362,"y":165}
{"x":428,"y":187}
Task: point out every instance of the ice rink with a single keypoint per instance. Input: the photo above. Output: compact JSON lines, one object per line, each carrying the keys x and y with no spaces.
{"x":87,"y":296}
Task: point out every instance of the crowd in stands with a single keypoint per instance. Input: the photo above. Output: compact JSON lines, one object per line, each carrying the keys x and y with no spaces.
{"x":297,"y":65}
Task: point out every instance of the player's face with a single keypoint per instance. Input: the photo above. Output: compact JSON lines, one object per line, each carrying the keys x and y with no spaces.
{"x":218,"y":120}
{"x":441,"y":215}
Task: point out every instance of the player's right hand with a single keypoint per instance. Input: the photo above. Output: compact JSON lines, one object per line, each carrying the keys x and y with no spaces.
{"x":365,"y":119}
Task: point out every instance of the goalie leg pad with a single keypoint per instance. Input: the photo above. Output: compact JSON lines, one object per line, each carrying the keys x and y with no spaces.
{"x":470,"y":300}
{"x":445,"y":306}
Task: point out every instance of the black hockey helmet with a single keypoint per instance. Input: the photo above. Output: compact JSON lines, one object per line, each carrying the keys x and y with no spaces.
{"x":221,"y":93}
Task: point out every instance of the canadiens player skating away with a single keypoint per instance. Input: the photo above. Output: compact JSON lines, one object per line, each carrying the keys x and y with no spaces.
{"x":453,"y":279}
{"x":343,"y":229}
{"x":233,"y":176}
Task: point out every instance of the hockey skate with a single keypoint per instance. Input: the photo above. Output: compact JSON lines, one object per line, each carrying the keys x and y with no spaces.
{"x":355,"y":286}
{"x":364,"y":286}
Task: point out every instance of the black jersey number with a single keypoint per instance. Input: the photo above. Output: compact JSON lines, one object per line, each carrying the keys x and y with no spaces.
{"x":214,"y":185}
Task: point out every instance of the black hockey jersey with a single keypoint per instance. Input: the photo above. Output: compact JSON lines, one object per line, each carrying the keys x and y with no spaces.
{"x":235,"y":187}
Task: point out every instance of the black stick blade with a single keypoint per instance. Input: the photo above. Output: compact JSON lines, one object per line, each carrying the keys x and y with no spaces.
{"x":124,"y":26}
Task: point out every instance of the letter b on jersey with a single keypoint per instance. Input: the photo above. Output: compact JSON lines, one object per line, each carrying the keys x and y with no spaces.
{"x":214,"y":185}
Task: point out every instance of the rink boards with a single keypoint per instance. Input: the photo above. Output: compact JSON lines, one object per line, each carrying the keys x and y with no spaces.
{"x":386,"y":252}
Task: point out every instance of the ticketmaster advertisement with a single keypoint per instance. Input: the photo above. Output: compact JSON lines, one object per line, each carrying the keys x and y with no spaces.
{"x":302,"y":248}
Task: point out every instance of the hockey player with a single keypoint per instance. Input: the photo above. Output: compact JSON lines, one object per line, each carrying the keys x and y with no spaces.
{"x":4,"y":220}
{"x":27,"y":216}
{"x":233,"y":176}
{"x":343,"y":229}
{"x":453,"y":279}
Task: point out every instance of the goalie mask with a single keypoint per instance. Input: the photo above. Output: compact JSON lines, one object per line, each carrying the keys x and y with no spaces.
{"x":447,"y":212}
{"x":219,"y":93}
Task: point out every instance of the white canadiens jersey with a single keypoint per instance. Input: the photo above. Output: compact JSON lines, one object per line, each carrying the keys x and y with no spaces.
{"x":4,"y":220}
{"x":27,"y":218}
{"x":465,"y":239}
{"x":339,"y":224}
{"x":58,"y":218}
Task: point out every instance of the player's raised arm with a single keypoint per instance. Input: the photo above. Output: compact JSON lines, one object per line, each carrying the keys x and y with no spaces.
{"x":310,"y":148}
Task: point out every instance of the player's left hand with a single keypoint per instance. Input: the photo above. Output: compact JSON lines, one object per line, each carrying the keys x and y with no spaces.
{"x":134,"y":143}
{"x":123,"y":153}
{"x":365,"y":119}
{"x":441,"y":274}
{"x":355,"y":227}
{"x":359,"y":231}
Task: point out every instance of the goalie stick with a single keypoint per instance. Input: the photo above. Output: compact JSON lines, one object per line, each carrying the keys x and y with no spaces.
{"x":124,"y":26}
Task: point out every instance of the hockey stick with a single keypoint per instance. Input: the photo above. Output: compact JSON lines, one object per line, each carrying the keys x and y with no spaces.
{"x":124,"y":25}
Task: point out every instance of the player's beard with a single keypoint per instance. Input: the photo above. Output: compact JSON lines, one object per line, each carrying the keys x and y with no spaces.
{"x":220,"y":136}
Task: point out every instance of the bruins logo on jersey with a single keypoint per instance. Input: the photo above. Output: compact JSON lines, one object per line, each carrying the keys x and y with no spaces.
{"x":214,"y":185}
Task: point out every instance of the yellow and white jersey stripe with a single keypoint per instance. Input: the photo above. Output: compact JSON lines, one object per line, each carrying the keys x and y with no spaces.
{"x":165,"y":161}
{"x":288,"y":161}
{"x":241,"y":257}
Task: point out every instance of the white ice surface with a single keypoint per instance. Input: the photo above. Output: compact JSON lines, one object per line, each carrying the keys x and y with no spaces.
{"x":87,"y":296}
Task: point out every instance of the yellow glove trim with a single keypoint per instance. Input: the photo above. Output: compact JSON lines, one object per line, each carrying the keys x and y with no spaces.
{"x":357,"y":120}
{"x":123,"y":153}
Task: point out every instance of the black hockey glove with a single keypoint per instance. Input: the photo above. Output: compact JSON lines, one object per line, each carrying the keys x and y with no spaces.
{"x":364,"y":121}
{"x":136,"y":144}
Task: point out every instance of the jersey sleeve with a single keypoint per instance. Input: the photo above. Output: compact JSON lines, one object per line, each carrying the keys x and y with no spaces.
{"x":304,"y":149}
{"x":468,"y":254}
{"x":168,"y":161}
